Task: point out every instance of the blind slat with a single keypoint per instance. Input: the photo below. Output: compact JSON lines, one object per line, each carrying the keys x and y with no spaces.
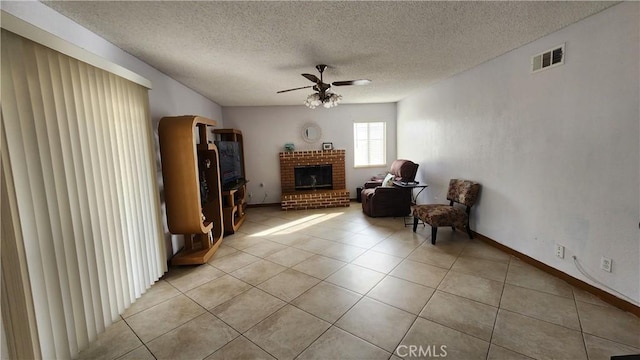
{"x":78,"y":141}
{"x":369,"y":144}
{"x":63,"y":178}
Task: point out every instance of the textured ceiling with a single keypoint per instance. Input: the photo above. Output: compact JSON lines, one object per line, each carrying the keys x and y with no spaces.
{"x":241,"y":53}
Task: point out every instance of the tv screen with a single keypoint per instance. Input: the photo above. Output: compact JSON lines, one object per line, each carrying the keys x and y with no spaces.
{"x":230,"y":162}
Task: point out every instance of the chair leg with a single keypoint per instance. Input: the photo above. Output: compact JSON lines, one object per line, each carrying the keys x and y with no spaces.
{"x":469,"y":232}
{"x":434,"y":232}
{"x":453,"y":228}
{"x":415,"y":223}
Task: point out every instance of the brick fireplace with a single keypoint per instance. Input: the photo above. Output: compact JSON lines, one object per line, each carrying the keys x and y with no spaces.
{"x":292,"y":199}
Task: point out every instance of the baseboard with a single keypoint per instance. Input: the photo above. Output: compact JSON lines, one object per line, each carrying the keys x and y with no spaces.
{"x":601,"y":294}
{"x":263,"y":205}
{"x":279,"y":204}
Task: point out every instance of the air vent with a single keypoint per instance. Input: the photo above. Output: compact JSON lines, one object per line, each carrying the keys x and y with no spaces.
{"x":550,"y":58}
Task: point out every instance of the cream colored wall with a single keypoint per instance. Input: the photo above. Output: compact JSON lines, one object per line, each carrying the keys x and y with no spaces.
{"x":557,"y":152}
{"x":166,"y":98}
{"x":267,"y":129}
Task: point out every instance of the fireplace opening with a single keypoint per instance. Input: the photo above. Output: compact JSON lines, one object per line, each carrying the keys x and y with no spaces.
{"x":313,"y":177}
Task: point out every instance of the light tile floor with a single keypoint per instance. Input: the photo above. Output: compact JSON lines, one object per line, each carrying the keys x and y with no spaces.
{"x":335,"y":284}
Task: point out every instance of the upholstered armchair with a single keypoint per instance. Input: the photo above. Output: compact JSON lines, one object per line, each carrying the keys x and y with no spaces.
{"x":461,"y":192}
{"x":380,"y":201}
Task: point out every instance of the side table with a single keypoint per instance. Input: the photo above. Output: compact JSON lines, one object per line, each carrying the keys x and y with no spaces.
{"x":414,"y":197}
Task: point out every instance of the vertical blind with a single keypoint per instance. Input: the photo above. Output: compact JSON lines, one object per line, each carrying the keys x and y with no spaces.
{"x":81,"y":162}
{"x":369,"y":144}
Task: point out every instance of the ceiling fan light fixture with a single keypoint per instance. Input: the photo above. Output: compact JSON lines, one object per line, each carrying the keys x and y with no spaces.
{"x":330,"y":100}
{"x":312,"y":101}
{"x":324,"y":95}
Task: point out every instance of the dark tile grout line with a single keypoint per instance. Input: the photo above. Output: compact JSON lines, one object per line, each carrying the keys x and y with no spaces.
{"x":240,"y":334}
{"x":143,"y":343}
{"x":362,"y":295}
{"x":584,"y":340}
{"x":495,"y":321}
{"x":285,"y":304}
{"x":321,"y":280}
{"x":280,"y":308}
{"x":349,"y":309}
{"x":290,"y":303}
{"x":430,"y":297}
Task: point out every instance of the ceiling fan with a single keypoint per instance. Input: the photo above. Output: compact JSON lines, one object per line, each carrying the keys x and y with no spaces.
{"x":323,"y":94}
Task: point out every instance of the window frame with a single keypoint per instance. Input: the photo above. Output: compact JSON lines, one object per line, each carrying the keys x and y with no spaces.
{"x":384,"y":144}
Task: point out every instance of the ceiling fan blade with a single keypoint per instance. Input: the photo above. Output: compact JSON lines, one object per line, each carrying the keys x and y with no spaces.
{"x":304,"y":87}
{"x":352,"y":82}
{"x":312,"y":77}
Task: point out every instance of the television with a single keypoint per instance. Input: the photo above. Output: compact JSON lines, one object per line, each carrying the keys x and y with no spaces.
{"x":230,"y":154}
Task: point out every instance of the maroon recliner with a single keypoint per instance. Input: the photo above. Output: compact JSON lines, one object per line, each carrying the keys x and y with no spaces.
{"x":381,"y":201}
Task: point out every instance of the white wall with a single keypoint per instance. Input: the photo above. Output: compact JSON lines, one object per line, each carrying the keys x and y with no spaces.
{"x":267,"y":129}
{"x":166,"y":98}
{"x":557,"y":152}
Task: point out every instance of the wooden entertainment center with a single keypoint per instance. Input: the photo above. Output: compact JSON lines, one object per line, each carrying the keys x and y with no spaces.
{"x":234,"y":195}
{"x":192,"y":189}
{"x":197,"y":205}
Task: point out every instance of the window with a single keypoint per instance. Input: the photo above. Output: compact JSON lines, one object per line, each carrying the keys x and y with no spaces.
{"x":369,"y":144}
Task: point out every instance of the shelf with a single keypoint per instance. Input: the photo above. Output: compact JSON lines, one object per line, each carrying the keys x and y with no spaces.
{"x":234,"y":218}
{"x":234,"y":205}
{"x":192,"y":188}
{"x":195,"y":256}
{"x":205,"y":147}
{"x":234,"y":202}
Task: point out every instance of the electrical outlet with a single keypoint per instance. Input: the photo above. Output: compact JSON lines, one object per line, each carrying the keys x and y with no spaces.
{"x":606,"y":264}
{"x":250,"y":195}
{"x":560,"y":251}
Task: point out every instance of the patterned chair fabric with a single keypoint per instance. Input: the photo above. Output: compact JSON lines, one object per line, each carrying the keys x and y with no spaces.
{"x":441,"y":215}
{"x":460,"y":191}
{"x":463,"y":192}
